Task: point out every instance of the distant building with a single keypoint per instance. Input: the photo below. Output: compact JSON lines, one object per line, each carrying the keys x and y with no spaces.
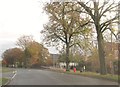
{"x":71,"y":64}
{"x":55,"y":58}
{"x":112,"y":57}
{"x":111,"y":49}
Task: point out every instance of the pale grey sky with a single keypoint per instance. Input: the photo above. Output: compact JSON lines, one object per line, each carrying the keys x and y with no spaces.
{"x":21,"y":17}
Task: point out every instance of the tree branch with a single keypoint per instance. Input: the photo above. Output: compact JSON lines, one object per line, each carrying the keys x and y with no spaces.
{"x":87,"y":9}
{"x":59,"y":37}
{"x":106,"y":23}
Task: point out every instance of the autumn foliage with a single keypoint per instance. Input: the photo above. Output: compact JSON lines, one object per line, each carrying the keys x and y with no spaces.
{"x":30,"y":54}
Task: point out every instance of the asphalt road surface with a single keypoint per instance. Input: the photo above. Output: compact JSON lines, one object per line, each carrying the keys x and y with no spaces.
{"x":44,"y":77}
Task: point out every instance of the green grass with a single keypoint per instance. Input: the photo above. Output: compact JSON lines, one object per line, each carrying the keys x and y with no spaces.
{"x":91,"y":74}
{"x":3,"y":81}
{"x":95,"y":75}
{"x":4,"y":69}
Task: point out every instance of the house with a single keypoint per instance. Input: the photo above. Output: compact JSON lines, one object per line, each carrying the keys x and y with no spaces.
{"x":111,"y":50}
{"x":55,"y":58}
{"x":112,"y":55}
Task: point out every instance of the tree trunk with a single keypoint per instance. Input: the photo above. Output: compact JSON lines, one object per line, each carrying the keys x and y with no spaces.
{"x":25,"y":58}
{"x":67,"y":57}
{"x":101,"y":54}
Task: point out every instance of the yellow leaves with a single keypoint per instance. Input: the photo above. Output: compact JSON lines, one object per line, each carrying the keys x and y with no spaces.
{"x":34,"y":48}
{"x":38,"y":54}
{"x":35,"y":51}
{"x":34,"y":60}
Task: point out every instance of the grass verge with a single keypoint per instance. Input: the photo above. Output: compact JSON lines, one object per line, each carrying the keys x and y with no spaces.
{"x":91,"y":74}
{"x":96,"y":75}
{"x":4,"y":69}
{"x":3,"y":81}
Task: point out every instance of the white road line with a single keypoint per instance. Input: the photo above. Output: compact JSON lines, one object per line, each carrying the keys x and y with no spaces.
{"x":15,"y":72}
{"x":14,"y":76}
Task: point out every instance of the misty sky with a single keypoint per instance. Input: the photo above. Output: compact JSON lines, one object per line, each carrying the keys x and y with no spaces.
{"x":21,"y":17}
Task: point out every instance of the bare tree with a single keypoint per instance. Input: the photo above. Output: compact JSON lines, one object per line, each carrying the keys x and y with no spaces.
{"x":24,"y":42}
{"x":100,"y":11}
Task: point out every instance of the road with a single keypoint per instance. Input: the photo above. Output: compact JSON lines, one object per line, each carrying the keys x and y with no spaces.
{"x":45,"y":77}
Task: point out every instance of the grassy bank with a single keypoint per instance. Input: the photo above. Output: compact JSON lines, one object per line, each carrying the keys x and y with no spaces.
{"x":4,"y":69}
{"x":96,"y":75}
{"x":90,"y":74}
{"x":3,"y":81}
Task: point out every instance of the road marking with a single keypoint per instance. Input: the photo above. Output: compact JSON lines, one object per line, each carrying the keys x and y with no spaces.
{"x":15,"y":72}
{"x":29,"y":70}
{"x":14,"y":76}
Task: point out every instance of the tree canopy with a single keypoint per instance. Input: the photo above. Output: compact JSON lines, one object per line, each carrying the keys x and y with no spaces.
{"x":64,"y":24}
{"x":98,"y":11}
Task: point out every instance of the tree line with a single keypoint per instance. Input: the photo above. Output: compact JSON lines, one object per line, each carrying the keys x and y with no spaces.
{"x":72,"y":23}
{"x":29,"y":54}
